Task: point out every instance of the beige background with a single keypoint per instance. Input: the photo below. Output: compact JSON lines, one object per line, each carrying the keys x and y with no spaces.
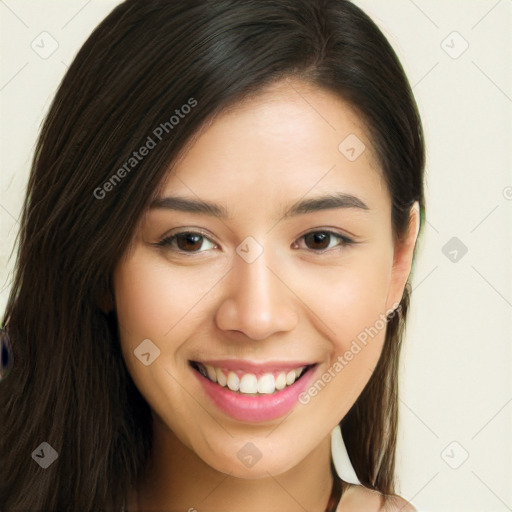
{"x":456,"y":397}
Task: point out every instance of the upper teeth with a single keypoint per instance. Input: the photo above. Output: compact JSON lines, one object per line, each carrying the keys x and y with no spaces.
{"x":249,"y":383}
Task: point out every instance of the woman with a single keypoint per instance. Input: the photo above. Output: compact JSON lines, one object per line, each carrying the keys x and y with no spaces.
{"x":212,"y":280}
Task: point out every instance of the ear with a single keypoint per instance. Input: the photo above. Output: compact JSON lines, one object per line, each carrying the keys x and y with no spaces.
{"x":402,"y":258}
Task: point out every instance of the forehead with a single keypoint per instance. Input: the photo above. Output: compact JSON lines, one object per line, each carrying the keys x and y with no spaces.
{"x":287,"y":142}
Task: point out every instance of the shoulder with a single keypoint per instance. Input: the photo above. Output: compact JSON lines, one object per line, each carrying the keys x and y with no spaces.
{"x":356,"y":498}
{"x":394,"y":503}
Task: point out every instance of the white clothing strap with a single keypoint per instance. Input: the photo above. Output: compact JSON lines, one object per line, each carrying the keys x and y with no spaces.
{"x":341,"y":459}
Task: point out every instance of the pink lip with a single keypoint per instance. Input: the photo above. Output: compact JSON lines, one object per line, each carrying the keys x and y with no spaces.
{"x":249,"y":408}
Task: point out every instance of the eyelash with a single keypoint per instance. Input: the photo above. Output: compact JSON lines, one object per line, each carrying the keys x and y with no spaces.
{"x":167,"y":241}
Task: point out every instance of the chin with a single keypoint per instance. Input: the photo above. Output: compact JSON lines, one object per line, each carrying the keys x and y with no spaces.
{"x":251,"y":464}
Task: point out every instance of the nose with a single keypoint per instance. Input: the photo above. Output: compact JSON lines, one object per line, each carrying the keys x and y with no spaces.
{"x":259,"y":303}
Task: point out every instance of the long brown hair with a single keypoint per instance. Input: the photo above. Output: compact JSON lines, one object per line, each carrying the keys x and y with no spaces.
{"x":68,"y":385}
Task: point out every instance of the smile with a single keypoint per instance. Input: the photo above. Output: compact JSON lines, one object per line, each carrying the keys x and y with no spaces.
{"x":250,"y":383}
{"x":248,"y":392}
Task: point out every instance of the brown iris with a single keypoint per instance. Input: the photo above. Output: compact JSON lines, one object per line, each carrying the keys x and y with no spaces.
{"x":186,"y":241}
{"x":319,"y":237}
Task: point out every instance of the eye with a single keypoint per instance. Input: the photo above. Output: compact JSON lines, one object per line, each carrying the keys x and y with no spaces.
{"x":191,"y":242}
{"x":320,"y":241}
{"x":186,"y":242}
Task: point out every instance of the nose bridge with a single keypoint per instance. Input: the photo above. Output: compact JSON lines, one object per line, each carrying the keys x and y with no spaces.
{"x":259,"y":304}
{"x":257,"y":283}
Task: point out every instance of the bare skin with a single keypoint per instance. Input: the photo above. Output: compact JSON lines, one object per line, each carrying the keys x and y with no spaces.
{"x":356,"y":498}
{"x":293,"y":302}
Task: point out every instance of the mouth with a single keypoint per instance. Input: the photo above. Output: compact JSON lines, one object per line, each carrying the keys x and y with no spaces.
{"x":251,"y":383}
{"x":251,"y":392}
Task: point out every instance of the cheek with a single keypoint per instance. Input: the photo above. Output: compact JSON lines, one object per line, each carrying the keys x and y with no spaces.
{"x":165,"y":307}
{"x":359,"y":303}
{"x":349,"y":297}
{"x":350,"y":305}
{"x":361,"y":307}
{"x":154,"y":302}
{"x":149,"y":307}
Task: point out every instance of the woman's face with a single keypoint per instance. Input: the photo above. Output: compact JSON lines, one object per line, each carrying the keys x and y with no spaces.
{"x":263,"y":286}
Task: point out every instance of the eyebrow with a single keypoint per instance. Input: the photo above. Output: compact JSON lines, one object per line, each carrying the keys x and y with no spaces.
{"x":303,"y":206}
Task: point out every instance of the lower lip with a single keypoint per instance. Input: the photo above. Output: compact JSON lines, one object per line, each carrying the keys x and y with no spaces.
{"x":259,"y":408}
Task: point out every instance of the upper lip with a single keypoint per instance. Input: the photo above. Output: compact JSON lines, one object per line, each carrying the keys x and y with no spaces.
{"x":253,"y":366}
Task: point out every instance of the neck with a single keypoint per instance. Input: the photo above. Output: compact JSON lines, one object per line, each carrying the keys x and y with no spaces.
{"x":177,"y":479}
